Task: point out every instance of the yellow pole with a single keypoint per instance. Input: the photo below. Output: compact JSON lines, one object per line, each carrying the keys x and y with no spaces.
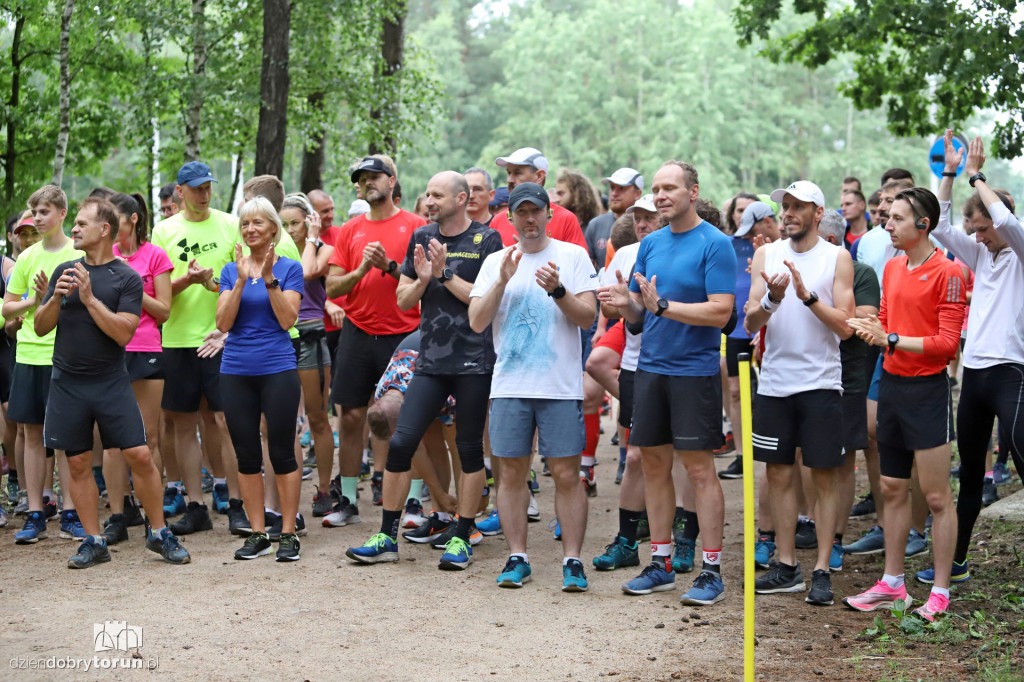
{"x":749,"y":530}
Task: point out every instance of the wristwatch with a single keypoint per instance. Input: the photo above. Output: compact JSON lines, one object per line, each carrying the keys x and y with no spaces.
{"x":662,"y":307}
{"x":977,"y":176}
{"x":274,"y":283}
{"x":558,"y":293}
{"x":446,"y":275}
{"x":893,"y":339}
{"x":812,"y":298}
{"x":392,"y":266}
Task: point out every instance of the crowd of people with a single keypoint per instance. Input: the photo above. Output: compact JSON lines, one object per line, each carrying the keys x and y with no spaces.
{"x":455,"y":342}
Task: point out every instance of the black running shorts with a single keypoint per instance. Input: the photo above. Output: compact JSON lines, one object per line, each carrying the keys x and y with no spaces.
{"x":810,"y":420}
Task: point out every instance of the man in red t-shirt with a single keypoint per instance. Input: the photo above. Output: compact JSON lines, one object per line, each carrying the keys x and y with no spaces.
{"x":334,"y":314}
{"x":529,"y":165}
{"x":364,"y":269}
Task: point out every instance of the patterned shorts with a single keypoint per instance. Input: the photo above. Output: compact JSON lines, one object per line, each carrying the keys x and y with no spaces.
{"x":398,"y":375}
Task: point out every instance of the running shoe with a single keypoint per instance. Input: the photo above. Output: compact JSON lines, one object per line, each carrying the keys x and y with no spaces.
{"x":1001,"y":473}
{"x":615,"y":438}
{"x":256,"y":545}
{"x":207,"y":481}
{"x":533,"y":511}
{"x":733,"y":471}
{"x":300,"y":525}
{"x":533,"y":482}
{"x":916,"y":543}
{"x":429,"y":531}
{"x":273,"y":522}
{"x":516,"y":573}
{"x":863,"y":507}
{"x":707,"y":589}
{"x":441,"y":541}
{"x":458,"y":554}
{"x":132,"y":512}
{"x":238,"y":522}
{"x":90,"y":552}
{"x":377,"y":489}
{"x":220,"y":498}
{"x":196,"y":519}
{"x":545,"y":469}
{"x":345,"y":513}
{"x":34,"y":530}
{"x":310,"y":458}
{"x":821,"y":589}
{"x":115,"y":529}
{"x":174,"y":501}
{"x":618,"y":554}
{"x":50,"y":507}
{"x":556,"y":528}
{"x":21,"y":508}
{"x":490,"y":525}
{"x":872,"y":542}
{"x":378,"y":549}
{"x":937,"y":605}
{"x":835,"y":559}
{"x":589,"y":482}
{"x":321,"y":504}
{"x":365,"y":471}
{"x":573,"y":577}
{"x":307,"y":438}
{"x":307,"y":473}
{"x":764,"y":550}
{"x":880,"y":596}
{"x":806,"y":535}
{"x":728,"y":445}
{"x":960,"y":574}
{"x":643,"y":529}
{"x":654,"y":578}
{"x":413,"y":517}
{"x":167,"y":546}
{"x":70,"y":525}
{"x":334,"y":489}
{"x":780,"y":578}
{"x":288,"y":549}
{"x":989,"y":494}
{"x":3,"y":518}
{"x":682,"y":554}
{"x":12,"y":491}
{"x":620,"y":471}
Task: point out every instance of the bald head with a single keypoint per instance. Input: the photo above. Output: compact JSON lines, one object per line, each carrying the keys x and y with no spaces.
{"x":322,"y":204}
{"x":446,"y":197}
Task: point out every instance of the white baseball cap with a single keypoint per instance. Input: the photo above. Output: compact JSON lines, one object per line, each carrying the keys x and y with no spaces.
{"x":646,"y":202}
{"x":526,"y":156}
{"x":359,"y":207}
{"x":626,"y":177}
{"x":804,"y":190}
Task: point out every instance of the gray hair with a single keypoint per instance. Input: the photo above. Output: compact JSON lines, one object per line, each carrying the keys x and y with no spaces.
{"x":488,"y":181}
{"x":262,"y":207}
{"x":832,"y":223}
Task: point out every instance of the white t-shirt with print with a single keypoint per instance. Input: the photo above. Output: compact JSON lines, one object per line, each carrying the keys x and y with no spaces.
{"x":538,"y":348}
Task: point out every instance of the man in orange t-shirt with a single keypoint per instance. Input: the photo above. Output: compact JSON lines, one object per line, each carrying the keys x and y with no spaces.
{"x":364,"y":269}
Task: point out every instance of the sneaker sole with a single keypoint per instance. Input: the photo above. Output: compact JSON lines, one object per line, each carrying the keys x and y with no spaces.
{"x":30,"y":541}
{"x":489,"y":533}
{"x":908,"y":554}
{"x":820,"y":602}
{"x":68,"y":535}
{"x":413,"y":525}
{"x":446,"y":565}
{"x":257,"y":555}
{"x":691,"y":601}
{"x":575,"y":588}
{"x":799,"y":587}
{"x":286,"y":558}
{"x":612,"y":568}
{"x":729,"y":477}
{"x":864,"y":553}
{"x":534,"y":518}
{"x":877,"y":605}
{"x":680,"y":569}
{"x":660,"y":588}
{"x":341,"y":524}
{"x":241,"y":532}
{"x":100,"y":560}
{"x":422,"y":540}
{"x":512,"y":583}
{"x":382,"y":558}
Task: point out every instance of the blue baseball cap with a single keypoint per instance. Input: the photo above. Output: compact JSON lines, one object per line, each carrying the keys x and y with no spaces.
{"x":500,"y":197}
{"x":195,"y":173}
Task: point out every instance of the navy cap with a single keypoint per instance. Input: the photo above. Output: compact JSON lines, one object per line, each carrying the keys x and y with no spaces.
{"x":372,"y":165}
{"x":528,"y":191}
{"x":500,"y":197}
{"x":195,"y":173}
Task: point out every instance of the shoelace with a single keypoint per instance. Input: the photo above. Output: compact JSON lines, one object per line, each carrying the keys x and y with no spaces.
{"x":575,"y":569}
{"x":254,"y":539}
{"x":456,"y":546}
{"x":703,"y":580}
{"x":512,"y":563}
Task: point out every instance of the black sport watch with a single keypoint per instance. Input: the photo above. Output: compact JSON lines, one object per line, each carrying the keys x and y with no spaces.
{"x":662,"y":307}
{"x":893,"y":339}
{"x":274,"y":283}
{"x":392,"y":266}
{"x":446,"y":275}
{"x":812,"y":298}
{"x":558,"y":293}
{"x":977,"y":176}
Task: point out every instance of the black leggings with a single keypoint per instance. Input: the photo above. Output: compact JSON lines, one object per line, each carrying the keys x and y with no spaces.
{"x":986,"y":393}
{"x":424,"y":399}
{"x":245,"y":399}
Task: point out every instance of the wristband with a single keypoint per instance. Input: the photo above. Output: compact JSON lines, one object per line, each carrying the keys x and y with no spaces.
{"x":949,"y":174}
{"x":768,"y":305}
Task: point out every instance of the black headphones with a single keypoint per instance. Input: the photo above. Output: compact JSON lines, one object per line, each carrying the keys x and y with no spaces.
{"x":920,"y":224}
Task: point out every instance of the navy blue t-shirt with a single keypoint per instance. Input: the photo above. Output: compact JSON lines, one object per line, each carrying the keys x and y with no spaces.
{"x":689,"y":266}
{"x":257,"y":345}
{"x":744,"y":249}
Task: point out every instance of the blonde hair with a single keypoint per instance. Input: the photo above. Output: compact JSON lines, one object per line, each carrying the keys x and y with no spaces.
{"x":260,"y":206}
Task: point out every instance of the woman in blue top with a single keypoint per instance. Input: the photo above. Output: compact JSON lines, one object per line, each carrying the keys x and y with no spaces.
{"x":259,"y":303}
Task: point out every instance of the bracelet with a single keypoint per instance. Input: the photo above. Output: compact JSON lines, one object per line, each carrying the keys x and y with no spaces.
{"x":768,"y":305}
{"x":949,"y":174}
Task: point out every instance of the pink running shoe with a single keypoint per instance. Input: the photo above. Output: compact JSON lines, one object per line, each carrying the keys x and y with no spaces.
{"x":937,"y":605}
{"x":881,"y":596}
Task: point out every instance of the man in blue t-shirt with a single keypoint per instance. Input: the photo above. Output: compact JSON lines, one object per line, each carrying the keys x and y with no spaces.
{"x":684,"y":291}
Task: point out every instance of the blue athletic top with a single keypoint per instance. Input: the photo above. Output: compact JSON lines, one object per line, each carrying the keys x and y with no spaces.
{"x":689,"y":266}
{"x":256,"y":344}
{"x":744,"y":249}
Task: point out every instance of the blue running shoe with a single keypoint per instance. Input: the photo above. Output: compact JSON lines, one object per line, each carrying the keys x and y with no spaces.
{"x":764,"y":550}
{"x":654,"y":578}
{"x":220,"y":498}
{"x":174,"y":501}
{"x":307,"y":439}
{"x":573,"y":577}
{"x":378,"y":549}
{"x":70,"y":526}
{"x":835,"y":560}
{"x":556,"y":527}
{"x":207,"y":481}
{"x":457,"y":555}
{"x":89,"y":554}
{"x":618,"y":554}
{"x":336,"y":444}
{"x":682,"y":555}
{"x":534,"y":484}
{"x":959,"y":574}
{"x":872,"y":542}
{"x":1001,"y":473}
{"x":707,"y":589}
{"x":490,"y":525}
{"x":34,"y":530}
{"x":916,"y":543}
{"x":516,"y":573}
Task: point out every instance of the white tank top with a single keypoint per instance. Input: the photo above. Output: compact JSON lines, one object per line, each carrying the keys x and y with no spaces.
{"x":801,"y":353}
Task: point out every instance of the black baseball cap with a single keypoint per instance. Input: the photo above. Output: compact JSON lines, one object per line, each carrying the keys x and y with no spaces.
{"x":528,"y":191}
{"x":373,"y":165}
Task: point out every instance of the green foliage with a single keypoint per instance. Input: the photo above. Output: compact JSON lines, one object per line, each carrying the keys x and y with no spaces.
{"x":932,"y":63}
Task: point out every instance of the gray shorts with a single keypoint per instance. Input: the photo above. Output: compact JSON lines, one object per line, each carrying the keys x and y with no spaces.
{"x":311,"y":346}
{"x":558,"y":424}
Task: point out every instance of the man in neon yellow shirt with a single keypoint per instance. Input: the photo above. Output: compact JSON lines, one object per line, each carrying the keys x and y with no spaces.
{"x":30,"y":381}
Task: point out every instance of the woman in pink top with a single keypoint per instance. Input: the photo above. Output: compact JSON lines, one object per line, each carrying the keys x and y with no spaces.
{"x":142,"y":356}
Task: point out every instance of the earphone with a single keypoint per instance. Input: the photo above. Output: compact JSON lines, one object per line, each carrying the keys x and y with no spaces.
{"x":920,"y":224}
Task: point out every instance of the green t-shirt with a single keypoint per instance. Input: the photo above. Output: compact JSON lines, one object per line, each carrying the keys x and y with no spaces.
{"x":32,"y":349}
{"x":212,"y":244}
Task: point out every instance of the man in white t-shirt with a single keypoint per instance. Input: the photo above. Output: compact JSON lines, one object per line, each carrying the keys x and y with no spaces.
{"x":537,"y":295}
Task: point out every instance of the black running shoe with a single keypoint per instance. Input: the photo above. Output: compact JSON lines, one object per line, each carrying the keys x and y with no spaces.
{"x":988,"y":492}
{"x":256,"y":545}
{"x":288,"y":550}
{"x":273,"y":523}
{"x":442,"y":540}
{"x":238,"y":522}
{"x":733,"y":471}
{"x":863,"y":507}
{"x":780,"y":578}
{"x":115,"y":529}
{"x":821,"y":589}
{"x":196,"y":519}
{"x":806,"y":535}
{"x":429,"y":531}
{"x":132,"y":512}
{"x":89,"y":554}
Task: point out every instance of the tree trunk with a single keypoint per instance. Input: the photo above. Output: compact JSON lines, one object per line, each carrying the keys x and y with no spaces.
{"x":194,"y":106}
{"x":272,"y":130}
{"x":65,"y":94}
{"x":392,"y":48}
{"x":314,"y":154}
{"x":236,"y":180}
{"x":11,"y":154}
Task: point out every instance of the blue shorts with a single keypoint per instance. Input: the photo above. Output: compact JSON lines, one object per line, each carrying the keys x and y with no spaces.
{"x":876,"y":378}
{"x":558,"y":423}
